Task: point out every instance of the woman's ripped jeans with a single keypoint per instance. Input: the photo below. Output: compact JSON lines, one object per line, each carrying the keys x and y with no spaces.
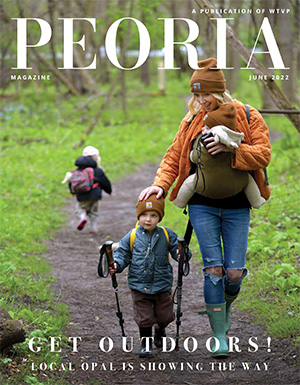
{"x":222,"y":236}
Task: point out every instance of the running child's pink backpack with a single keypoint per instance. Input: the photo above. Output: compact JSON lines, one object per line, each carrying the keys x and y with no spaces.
{"x":82,"y":180}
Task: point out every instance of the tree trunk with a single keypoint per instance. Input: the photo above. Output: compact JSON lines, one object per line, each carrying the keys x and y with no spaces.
{"x":296,"y":8}
{"x":267,"y":100}
{"x":104,"y":63}
{"x":232,"y":76}
{"x":177,"y":53}
{"x":51,"y":10}
{"x":208,"y":41}
{"x":57,"y":73}
{"x":87,"y":79}
{"x":82,"y":78}
{"x":145,"y":78}
{"x":233,"y":60}
{"x":99,"y":113}
{"x":287,"y":42}
{"x":123,"y":38}
{"x":11,"y":331}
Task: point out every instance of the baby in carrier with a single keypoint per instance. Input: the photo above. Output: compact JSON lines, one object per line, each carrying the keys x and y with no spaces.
{"x":214,"y":177}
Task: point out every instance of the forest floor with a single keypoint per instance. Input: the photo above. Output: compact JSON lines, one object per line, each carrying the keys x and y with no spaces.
{"x":74,"y":256}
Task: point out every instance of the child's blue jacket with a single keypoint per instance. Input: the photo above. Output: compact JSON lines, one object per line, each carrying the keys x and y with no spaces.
{"x":150,"y":271}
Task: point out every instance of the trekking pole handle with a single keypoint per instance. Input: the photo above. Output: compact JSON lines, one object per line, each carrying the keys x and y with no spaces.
{"x":109,"y":253}
{"x":181,"y":242}
{"x":183,"y":262}
{"x":181,"y":248}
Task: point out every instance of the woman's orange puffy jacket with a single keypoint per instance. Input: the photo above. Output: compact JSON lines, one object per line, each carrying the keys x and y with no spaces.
{"x":253,"y":154}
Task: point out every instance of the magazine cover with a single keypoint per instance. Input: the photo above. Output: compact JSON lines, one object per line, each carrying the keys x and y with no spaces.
{"x":149,"y":192}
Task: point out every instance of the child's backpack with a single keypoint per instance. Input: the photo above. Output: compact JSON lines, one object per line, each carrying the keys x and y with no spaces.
{"x":82,"y":180}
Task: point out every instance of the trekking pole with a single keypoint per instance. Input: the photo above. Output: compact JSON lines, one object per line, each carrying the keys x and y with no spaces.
{"x":183,"y":270}
{"x":106,"y":249}
{"x":111,"y":262}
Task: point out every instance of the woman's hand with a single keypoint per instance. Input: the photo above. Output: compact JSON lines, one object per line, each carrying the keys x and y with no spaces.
{"x":215,"y":148}
{"x":149,"y":191}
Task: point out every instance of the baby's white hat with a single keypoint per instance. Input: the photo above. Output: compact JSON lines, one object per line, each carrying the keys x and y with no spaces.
{"x":92,"y":151}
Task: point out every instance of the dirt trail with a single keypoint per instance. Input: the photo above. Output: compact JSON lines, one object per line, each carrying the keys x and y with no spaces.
{"x":74,"y":256}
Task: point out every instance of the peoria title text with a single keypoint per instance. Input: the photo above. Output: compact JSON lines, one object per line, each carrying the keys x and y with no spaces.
{"x":145,"y":42}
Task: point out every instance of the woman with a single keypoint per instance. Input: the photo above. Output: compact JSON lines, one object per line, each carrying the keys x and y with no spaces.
{"x":221,"y":225}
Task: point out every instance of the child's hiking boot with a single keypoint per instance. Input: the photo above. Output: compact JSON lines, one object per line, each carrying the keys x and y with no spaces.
{"x":93,"y":226}
{"x":159,"y":332}
{"x":146,"y":351}
{"x":82,"y":222}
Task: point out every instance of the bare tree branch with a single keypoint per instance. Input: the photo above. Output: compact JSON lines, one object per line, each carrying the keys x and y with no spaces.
{"x":57,"y":73}
{"x":89,"y":81}
{"x":99,"y":113}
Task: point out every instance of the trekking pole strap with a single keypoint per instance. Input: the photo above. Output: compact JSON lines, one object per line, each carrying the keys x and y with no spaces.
{"x":184,"y":266}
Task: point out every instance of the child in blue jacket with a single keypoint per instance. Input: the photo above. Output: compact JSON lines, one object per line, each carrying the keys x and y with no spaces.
{"x":150,"y":274}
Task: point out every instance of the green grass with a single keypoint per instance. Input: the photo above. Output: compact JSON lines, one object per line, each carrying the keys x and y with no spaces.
{"x":273,"y":253}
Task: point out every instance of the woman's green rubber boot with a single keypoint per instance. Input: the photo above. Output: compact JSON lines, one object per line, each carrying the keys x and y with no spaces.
{"x":217,"y":320}
{"x":229,"y":299}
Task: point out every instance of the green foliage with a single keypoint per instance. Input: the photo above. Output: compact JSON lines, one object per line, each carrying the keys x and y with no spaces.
{"x":32,"y":380}
{"x":274,"y":247}
{"x":271,"y":291}
{"x":5,"y":360}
